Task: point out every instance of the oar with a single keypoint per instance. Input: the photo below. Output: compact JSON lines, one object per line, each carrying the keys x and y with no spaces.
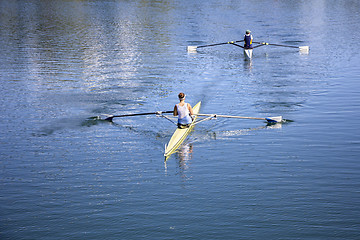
{"x":244,"y":47}
{"x":269,"y":119}
{"x":301,"y":48}
{"x":110,"y":117}
{"x":193,"y":48}
{"x":237,"y":45}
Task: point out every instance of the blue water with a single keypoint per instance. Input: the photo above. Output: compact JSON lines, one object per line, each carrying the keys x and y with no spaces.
{"x":64,"y":174}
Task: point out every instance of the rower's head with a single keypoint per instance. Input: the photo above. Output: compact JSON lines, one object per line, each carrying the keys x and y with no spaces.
{"x":248,"y":31}
{"x":181,"y":96}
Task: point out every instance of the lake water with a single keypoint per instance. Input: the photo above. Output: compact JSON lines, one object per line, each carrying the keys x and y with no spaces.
{"x":66,"y":175}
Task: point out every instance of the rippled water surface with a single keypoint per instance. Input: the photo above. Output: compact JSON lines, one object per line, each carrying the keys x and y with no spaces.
{"x":65,"y":174}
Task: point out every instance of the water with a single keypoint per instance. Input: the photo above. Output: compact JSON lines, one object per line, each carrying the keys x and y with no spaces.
{"x":65,"y":175}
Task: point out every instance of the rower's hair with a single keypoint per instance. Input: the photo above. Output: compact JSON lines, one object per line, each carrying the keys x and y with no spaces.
{"x":181,"y":95}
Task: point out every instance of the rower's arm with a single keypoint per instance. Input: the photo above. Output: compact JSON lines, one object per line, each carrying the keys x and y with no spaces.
{"x":190,"y":109}
{"x":175,"y":111}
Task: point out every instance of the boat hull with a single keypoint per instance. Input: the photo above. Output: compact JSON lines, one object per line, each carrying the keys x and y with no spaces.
{"x":248,"y":53}
{"x":180,"y":135}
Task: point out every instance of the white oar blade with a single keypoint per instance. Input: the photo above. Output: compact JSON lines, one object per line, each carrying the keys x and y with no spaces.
{"x":304,"y":49}
{"x":274,"y":119}
{"x":192,"y":49}
{"x":105,"y":117}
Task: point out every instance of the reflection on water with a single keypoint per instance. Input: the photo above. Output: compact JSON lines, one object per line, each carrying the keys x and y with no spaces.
{"x":185,"y":154}
{"x":248,"y":65}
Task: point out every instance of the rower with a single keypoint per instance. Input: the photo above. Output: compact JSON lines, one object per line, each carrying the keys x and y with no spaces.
{"x":184,"y":112}
{"x":248,"y":40}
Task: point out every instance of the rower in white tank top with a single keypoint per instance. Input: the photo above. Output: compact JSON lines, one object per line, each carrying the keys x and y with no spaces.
{"x":183,"y":111}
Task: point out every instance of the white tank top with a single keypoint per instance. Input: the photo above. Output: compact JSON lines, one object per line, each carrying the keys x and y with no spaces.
{"x":183,"y":114}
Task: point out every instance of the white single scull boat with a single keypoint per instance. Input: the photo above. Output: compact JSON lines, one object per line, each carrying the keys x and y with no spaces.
{"x":180,"y":134}
{"x":248,"y":52}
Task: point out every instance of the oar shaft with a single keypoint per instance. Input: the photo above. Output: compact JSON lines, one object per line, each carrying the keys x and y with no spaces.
{"x":259,"y":46}
{"x":211,"y":45}
{"x":216,"y":44}
{"x":227,"y":116}
{"x":269,"y":119}
{"x":136,"y":114}
{"x":237,"y":45}
{"x":279,"y":45}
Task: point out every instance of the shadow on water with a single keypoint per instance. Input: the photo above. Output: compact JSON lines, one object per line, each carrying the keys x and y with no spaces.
{"x":135,"y":129}
{"x":68,"y":123}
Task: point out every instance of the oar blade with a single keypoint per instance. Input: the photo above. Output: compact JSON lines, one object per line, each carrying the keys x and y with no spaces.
{"x":192,"y":49}
{"x":274,"y":119}
{"x":304,"y":49}
{"x":105,"y":117}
